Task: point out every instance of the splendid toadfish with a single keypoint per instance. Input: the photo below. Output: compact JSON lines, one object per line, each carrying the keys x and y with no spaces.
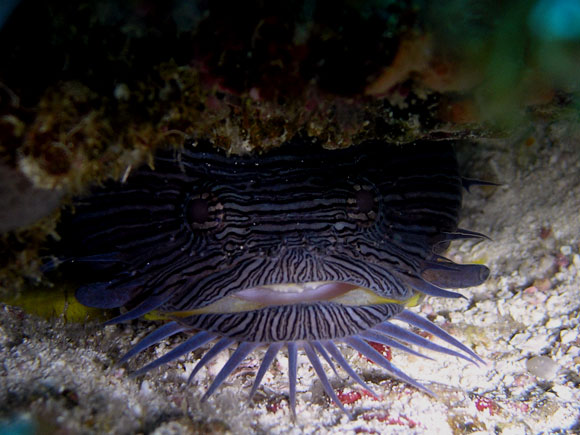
{"x":299,"y":248}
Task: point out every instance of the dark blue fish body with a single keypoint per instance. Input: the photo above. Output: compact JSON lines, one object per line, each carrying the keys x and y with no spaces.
{"x":297,"y":248}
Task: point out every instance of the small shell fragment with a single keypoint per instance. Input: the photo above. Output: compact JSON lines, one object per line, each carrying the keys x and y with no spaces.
{"x":542,"y":367}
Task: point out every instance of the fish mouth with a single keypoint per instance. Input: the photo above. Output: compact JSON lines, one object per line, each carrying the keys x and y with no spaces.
{"x":313,"y":292}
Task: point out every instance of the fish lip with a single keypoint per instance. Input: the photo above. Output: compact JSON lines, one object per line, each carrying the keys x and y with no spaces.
{"x":274,"y":296}
{"x":283,"y":294}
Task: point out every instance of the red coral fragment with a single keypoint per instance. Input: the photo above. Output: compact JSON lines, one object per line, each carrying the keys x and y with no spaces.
{"x":275,"y":405}
{"x":366,"y":393}
{"x":482,"y":403}
{"x":348,"y":398}
{"x":380,"y":348}
{"x":364,"y":430}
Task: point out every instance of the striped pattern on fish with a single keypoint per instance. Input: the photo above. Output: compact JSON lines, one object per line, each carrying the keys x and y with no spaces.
{"x":297,"y":248}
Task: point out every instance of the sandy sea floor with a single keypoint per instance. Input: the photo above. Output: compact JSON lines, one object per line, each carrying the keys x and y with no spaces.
{"x":59,"y":377}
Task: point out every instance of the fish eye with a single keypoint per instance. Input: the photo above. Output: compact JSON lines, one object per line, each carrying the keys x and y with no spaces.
{"x":203,"y":211}
{"x":198,"y":211}
{"x":363,"y":205}
{"x":365,"y":201}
